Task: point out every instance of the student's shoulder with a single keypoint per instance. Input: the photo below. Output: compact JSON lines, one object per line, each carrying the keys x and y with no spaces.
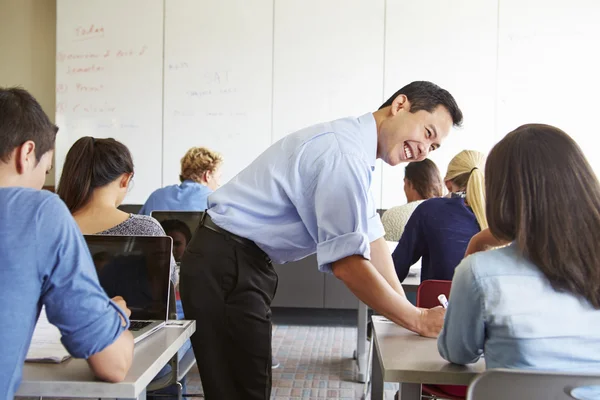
{"x":504,"y":261}
{"x":145,"y":225}
{"x":32,"y":200}
{"x":432,"y":205}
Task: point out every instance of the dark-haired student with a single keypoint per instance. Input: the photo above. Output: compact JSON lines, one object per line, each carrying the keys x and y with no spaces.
{"x":95,"y":179}
{"x":422,"y":181}
{"x":309,"y":192}
{"x":44,"y":260}
{"x":534,"y":304}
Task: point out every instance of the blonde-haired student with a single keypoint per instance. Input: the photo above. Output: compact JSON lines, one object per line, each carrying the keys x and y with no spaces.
{"x":440,"y":229}
{"x":200,"y":176}
{"x":534,"y":304}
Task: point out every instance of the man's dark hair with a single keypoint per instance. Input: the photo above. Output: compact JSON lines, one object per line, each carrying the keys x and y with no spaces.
{"x":543,"y":195}
{"x":22,"y":119}
{"x":424,"y":95}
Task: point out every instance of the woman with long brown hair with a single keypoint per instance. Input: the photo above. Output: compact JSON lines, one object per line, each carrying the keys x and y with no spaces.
{"x":534,"y":304}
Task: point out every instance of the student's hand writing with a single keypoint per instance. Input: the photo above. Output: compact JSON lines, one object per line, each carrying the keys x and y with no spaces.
{"x":431,"y":321}
{"x":119,"y":301}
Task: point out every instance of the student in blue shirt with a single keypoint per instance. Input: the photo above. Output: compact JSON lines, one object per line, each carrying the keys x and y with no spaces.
{"x":200,"y":176}
{"x":534,"y":304}
{"x":439,"y":230}
{"x":44,"y":260}
{"x":309,"y":192}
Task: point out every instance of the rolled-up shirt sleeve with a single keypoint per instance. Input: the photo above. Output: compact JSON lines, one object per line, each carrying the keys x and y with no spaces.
{"x":346,"y":218}
{"x":74,"y":300}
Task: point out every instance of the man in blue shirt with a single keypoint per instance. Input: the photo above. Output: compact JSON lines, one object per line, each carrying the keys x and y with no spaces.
{"x":44,"y":260}
{"x":200,"y":176}
{"x":307,"y":193}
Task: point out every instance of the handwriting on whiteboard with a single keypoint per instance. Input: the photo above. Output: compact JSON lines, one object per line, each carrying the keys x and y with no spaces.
{"x":88,"y":32}
{"x":84,"y":70}
{"x":62,"y":56}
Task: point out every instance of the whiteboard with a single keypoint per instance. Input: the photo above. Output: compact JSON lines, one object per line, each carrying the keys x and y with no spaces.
{"x":109,"y":81}
{"x":218,"y":79}
{"x":328,"y":63}
{"x":452,"y":44}
{"x":548,"y":68}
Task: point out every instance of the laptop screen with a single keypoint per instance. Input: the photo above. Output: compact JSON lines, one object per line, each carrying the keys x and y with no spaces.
{"x":180,"y":225}
{"x":137,"y":268}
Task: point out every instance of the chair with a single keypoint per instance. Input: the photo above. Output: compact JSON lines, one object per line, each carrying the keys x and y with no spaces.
{"x":501,"y":384}
{"x":130,"y":208}
{"x":427,"y":297}
{"x":429,"y":290}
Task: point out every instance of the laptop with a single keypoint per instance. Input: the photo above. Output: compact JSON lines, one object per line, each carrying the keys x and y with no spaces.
{"x":180,"y":225}
{"x":137,"y":268}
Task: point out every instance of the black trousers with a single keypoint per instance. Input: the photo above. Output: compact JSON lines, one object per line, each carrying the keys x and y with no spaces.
{"x":227,"y":287}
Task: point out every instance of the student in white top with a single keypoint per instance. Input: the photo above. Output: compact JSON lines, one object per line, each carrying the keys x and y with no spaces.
{"x":422,"y":181}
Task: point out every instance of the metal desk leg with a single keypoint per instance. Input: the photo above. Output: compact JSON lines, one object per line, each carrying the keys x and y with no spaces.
{"x":377,"y":390}
{"x":361,"y":342}
{"x":409,"y":391}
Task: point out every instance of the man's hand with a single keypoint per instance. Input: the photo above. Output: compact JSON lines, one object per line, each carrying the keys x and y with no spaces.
{"x":431,"y":321}
{"x":123,"y":306}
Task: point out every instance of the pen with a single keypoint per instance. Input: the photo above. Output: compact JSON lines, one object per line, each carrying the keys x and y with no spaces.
{"x":443,"y":300}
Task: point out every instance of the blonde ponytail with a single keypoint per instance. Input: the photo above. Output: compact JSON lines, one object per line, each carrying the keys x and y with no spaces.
{"x":476,"y":196}
{"x":466,"y":170}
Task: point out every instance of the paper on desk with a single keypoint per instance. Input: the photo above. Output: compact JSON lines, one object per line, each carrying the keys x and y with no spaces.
{"x":45,"y":344}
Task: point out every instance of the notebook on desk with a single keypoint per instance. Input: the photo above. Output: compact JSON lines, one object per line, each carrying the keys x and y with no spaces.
{"x":45,"y":343}
{"x":137,"y":268}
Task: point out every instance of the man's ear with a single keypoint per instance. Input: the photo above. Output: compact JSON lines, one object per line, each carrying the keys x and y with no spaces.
{"x":399,"y":103}
{"x":25,"y":157}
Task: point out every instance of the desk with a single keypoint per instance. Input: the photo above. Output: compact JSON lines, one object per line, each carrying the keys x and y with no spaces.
{"x":403,"y":356}
{"x":410,"y":284}
{"x":74,"y":378}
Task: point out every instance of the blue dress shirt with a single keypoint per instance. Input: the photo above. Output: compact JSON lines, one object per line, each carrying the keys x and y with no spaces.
{"x":308,"y":192}
{"x":187,"y":196}
{"x":44,"y":260}
{"x":502,"y":305}
{"x":439,"y":231}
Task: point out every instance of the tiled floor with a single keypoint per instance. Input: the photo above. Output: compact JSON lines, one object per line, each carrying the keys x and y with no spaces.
{"x":316,"y":363}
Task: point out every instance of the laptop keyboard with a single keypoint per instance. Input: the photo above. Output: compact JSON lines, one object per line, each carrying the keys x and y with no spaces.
{"x":137,"y":325}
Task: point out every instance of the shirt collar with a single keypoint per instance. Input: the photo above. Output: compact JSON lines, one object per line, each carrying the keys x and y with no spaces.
{"x":189,"y":182}
{"x":368,"y":135}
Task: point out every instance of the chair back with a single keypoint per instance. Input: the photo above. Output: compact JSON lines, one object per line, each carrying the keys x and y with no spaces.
{"x":428,"y":292}
{"x":502,"y":384}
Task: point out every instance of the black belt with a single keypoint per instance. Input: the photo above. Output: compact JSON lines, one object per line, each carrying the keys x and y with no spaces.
{"x":209,"y":224}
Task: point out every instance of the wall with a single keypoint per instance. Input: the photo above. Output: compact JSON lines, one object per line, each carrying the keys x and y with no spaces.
{"x":28,"y":48}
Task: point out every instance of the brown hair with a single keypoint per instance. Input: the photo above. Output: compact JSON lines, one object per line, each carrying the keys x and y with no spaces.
{"x":198,"y":160}
{"x":546,"y":198}
{"x":425,"y":178}
{"x":22,"y":119}
{"x":91,"y":164}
